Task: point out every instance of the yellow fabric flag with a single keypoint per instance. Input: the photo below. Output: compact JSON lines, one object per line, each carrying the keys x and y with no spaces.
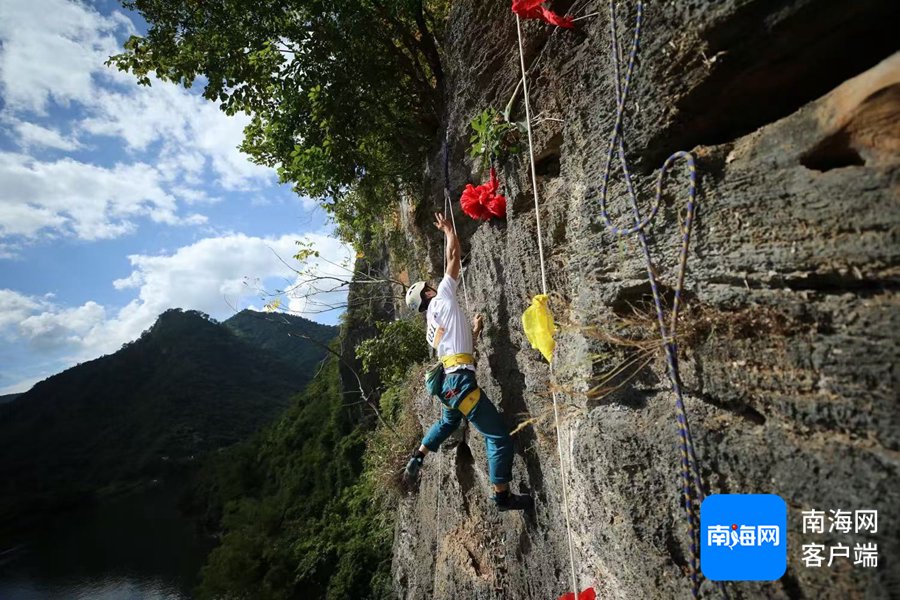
{"x":539,"y":328}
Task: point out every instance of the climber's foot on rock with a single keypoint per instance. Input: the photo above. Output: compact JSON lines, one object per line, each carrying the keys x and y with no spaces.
{"x":506,"y":501}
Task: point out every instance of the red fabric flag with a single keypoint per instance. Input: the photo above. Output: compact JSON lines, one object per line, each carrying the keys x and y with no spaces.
{"x":586,"y":594}
{"x":483,"y":202}
{"x":533,"y":9}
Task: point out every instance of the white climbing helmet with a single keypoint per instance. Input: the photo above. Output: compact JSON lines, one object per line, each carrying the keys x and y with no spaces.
{"x":414,"y":296}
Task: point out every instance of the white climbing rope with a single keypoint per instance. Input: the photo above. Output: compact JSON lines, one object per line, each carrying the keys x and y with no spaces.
{"x":537,"y":215}
{"x":593,"y":14}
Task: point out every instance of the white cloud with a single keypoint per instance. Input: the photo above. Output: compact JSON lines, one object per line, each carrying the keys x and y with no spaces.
{"x":31,"y":135}
{"x":191,"y":129}
{"x":194,"y":195}
{"x":16,"y":307}
{"x":44,"y":324}
{"x":81,"y":199}
{"x":52,"y":53}
{"x":213,"y":272}
{"x":54,"y":49}
{"x":186,"y":166}
{"x":214,"y":275}
{"x":8,"y":251}
{"x":52,"y":328}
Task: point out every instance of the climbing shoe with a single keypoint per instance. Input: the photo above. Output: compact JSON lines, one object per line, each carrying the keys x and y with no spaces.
{"x":506,"y":501}
{"x":411,"y":473}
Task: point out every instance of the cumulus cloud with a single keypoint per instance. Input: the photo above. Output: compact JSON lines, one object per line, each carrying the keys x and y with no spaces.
{"x":85,"y":200}
{"x":191,"y":128}
{"x":31,"y":135}
{"x":16,"y":307}
{"x":52,"y":54}
{"x":52,"y":328}
{"x":215,"y":275}
{"x":43,"y":323}
{"x":53,"y":50}
{"x":8,"y":251}
{"x":220,"y":273}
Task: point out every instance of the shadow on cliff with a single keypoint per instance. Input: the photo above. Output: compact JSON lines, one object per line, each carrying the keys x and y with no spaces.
{"x":512,"y":382}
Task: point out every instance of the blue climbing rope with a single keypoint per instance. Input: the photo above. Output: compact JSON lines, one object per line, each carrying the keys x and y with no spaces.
{"x":692,"y":490}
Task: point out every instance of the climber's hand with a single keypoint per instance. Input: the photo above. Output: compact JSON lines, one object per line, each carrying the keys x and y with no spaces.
{"x":411,"y":473}
{"x":443,"y":223}
{"x":477,"y":325}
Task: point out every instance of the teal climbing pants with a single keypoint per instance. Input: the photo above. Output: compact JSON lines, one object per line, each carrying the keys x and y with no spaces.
{"x":483,"y":417}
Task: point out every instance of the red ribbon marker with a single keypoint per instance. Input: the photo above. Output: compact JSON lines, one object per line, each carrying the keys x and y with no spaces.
{"x":483,"y":202}
{"x":586,"y":594}
{"x":532,"y":9}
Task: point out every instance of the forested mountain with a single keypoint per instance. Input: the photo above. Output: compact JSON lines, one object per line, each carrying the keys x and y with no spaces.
{"x":8,"y":398}
{"x":186,"y":386}
{"x":301,"y":508}
{"x":297,"y":520}
{"x":285,"y":336}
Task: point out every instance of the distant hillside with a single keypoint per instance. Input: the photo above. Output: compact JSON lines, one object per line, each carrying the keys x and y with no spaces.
{"x":296,"y":504}
{"x":281,"y":334}
{"x":8,"y":398}
{"x":186,"y":386}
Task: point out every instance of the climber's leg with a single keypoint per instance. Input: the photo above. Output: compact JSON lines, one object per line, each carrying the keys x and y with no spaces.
{"x":441,"y":430}
{"x":498,"y":443}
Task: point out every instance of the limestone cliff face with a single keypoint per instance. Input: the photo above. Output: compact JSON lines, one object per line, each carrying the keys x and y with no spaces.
{"x":789,"y":338}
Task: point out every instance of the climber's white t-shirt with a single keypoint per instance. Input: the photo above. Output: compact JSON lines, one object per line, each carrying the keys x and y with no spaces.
{"x":448,"y":332}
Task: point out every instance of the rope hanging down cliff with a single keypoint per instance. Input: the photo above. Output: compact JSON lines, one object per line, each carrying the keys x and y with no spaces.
{"x":692,"y":491}
{"x":537,"y":214}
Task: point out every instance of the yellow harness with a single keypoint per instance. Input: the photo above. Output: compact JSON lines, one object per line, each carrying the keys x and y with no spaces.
{"x":454,"y":360}
{"x":472,"y":398}
{"x":469,"y":402}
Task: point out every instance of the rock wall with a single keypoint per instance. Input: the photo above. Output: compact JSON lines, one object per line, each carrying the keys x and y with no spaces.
{"x":789,"y":338}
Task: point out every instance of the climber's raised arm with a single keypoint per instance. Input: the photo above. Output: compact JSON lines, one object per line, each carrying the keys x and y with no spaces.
{"x":452,"y":252}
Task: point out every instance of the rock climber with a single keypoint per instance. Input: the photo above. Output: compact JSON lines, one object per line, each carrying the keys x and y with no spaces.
{"x":449,"y":333}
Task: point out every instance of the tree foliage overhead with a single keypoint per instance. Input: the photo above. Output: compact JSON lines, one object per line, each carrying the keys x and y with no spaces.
{"x":343,"y":94}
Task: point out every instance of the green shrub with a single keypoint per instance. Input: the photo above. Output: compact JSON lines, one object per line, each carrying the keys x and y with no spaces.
{"x":399,"y":345}
{"x":492,"y":135}
{"x":388,"y":450}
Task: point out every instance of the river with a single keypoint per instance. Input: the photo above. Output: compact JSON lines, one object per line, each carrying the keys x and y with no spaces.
{"x":137,"y":547}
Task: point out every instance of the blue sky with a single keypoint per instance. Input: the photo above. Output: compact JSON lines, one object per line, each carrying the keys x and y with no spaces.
{"x":119,"y":201}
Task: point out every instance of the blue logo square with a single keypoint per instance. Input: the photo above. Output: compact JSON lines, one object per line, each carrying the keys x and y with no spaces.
{"x":743,"y":537}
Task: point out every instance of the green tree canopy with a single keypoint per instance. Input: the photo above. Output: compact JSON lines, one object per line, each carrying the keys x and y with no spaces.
{"x":343,"y":94}
{"x":398,"y":345}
